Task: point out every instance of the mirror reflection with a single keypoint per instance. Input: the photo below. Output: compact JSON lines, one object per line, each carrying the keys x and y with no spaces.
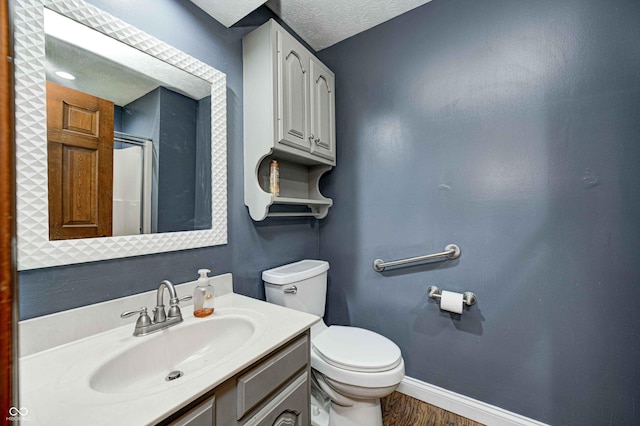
{"x":129,"y":138}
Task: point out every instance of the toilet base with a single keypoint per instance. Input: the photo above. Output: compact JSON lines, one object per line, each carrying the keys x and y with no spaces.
{"x":320,"y":406}
{"x":324,"y":412}
{"x":360,"y":413}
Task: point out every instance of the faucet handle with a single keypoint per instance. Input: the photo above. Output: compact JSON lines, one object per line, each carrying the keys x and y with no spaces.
{"x":174,"y":309}
{"x":177,"y":300}
{"x":142,"y":311}
{"x":182,"y":299}
{"x":143,"y":320}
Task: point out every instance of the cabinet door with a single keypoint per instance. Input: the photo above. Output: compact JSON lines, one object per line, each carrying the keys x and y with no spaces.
{"x":322,"y":97}
{"x":288,"y":408}
{"x":293,"y":93}
{"x":202,"y":415}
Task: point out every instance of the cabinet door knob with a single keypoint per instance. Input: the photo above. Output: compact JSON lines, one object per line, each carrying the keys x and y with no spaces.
{"x":311,"y":137}
{"x":317,"y":141}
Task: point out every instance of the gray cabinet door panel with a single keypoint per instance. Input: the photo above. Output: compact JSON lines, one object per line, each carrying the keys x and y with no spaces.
{"x":202,"y":415}
{"x":290,"y":407}
{"x":293,"y":93}
{"x":322,"y":107}
{"x":258,"y":383}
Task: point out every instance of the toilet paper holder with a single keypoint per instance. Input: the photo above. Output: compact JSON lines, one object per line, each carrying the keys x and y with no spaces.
{"x":468,"y":297}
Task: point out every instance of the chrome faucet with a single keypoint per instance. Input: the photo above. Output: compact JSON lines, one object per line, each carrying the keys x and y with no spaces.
{"x":174,"y":311}
{"x":161,"y":320}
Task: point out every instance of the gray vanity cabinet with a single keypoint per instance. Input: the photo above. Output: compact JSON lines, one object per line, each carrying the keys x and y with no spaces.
{"x":273,"y":391}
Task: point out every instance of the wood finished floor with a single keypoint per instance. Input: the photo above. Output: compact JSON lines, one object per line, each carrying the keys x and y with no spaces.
{"x":402,"y":410}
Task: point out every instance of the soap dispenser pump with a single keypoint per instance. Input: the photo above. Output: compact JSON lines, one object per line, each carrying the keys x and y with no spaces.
{"x":203,"y":296}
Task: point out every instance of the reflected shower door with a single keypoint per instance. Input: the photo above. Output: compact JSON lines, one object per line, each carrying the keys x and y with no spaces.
{"x":127,"y":190}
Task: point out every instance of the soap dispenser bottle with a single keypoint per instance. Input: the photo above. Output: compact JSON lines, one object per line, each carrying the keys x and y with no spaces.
{"x":203,"y":296}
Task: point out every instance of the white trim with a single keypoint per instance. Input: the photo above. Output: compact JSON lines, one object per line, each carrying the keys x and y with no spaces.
{"x":463,"y":405}
{"x":34,"y":248}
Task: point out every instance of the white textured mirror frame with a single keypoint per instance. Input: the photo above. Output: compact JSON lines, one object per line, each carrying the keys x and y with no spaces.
{"x":35,"y":250}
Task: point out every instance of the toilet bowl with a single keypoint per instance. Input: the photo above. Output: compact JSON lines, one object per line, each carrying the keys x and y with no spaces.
{"x":352,"y":367}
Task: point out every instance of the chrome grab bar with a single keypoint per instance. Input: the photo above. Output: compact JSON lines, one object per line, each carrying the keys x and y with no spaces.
{"x":451,"y":251}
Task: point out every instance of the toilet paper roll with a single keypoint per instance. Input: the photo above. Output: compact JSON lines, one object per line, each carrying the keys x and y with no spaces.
{"x":451,"y":301}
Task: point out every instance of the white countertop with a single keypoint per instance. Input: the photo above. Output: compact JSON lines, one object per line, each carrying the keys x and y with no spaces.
{"x":54,"y":383}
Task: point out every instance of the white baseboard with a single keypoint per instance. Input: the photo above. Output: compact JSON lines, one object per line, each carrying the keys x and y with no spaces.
{"x":463,"y":405}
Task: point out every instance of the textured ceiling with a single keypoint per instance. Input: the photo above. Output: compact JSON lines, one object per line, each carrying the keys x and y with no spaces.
{"x":321,"y":23}
{"x":228,"y":12}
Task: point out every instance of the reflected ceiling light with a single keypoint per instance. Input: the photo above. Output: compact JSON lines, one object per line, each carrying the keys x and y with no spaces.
{"x":65,"y":75}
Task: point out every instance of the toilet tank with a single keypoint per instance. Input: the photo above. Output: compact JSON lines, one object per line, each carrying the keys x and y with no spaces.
{"x":301,"y":285}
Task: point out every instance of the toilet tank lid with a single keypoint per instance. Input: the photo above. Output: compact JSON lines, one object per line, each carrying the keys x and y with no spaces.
{"x":294,"y":272}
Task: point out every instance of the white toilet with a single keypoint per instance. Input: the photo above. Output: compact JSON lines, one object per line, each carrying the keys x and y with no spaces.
{"x":352,"y":367}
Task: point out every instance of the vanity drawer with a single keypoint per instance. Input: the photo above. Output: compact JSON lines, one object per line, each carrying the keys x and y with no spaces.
{"x":289,"y":407}
{"x":261,"y":381}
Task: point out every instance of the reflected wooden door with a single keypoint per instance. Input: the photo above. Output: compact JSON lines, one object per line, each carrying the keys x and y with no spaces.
{"x":80,"y":162}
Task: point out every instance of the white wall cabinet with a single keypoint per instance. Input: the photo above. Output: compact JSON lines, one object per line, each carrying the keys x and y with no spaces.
{"x":289,"y":116}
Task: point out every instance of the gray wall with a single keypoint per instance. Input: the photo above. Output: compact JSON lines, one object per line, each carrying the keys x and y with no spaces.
{"x":203,"y":169}
{"x":177,"y":160}
{"x":141,"y":117}
{"x":117,"y":119}
{"x":511,"y":129}
{"x":251,"y":248}
{"x":178,"y":130}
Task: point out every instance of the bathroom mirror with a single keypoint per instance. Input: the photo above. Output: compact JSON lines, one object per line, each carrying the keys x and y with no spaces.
{"x":153,"y":159}
{"x":35,"y":249}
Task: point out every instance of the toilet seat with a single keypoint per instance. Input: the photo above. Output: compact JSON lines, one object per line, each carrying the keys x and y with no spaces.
{"x":356,"y":349}
{"x":380,"y":379}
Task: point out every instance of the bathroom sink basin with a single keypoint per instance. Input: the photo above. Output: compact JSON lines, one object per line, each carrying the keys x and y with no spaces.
{"x":175,"y":354}
{"x":112,"y":377}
